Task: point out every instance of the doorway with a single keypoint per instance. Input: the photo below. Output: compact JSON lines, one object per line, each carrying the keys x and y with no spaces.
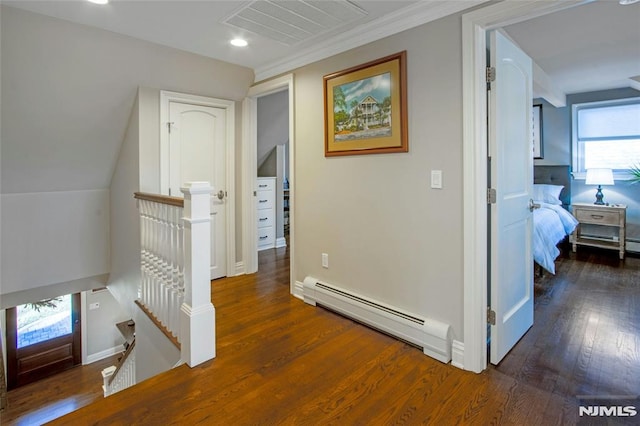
{"x":475,"y":25}
{"x":43,"y":338}
{"x":249,"y":177}
{"x":197,"y":144}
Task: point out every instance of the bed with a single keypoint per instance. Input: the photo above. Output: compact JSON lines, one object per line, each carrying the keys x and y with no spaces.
{"x":552,"y":222}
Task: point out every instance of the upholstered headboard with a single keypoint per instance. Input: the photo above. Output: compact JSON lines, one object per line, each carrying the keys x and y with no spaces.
{"x":555,"y":175}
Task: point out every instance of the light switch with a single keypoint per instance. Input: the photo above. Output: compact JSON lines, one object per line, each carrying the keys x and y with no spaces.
{"x":436,"y":179}
{"x":93,"y":306}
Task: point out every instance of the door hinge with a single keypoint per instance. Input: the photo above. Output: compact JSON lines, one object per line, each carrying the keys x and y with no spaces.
{"x":491,"y":196}
{"x":491,"y":74}
{"x":491,"y":316}
{"x":169,"y":124}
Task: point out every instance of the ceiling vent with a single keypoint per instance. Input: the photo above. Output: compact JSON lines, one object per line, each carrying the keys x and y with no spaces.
{"x":293,"y":21}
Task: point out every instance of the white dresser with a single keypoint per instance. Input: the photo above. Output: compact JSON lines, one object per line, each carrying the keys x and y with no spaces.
{"x":266,"y":202}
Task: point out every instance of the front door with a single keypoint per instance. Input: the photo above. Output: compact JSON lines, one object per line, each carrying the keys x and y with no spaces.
{"x":43,"y":338}
{"x":511,"y":152}
{"x":197,"y":153}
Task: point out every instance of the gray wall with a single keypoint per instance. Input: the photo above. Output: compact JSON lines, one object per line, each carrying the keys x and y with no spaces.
{"x":389,"y":236}
{"x":69,"y":96}
{"x":272,"y":124}
{"x":556,"y":132}
{"x":102,"y":334}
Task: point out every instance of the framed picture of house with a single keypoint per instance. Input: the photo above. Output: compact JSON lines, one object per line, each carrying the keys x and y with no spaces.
{"x":365,"y":108}
{"x":536,"y":132}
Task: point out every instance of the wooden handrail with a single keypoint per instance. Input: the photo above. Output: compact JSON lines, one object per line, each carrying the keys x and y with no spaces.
{"x":157,"y":198}
{"x":158,"y":324}
{"x":122,"y":360}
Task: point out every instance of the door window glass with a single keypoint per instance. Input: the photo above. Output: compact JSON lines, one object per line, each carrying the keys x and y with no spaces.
{"x":44,"y":320}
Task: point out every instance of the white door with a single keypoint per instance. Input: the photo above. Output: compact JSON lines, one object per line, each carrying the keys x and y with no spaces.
{"x":510,"y":147}
{"x":197,"y":152}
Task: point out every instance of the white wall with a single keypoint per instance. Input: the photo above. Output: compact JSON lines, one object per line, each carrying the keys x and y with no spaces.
{"x":70,"y":98}
{"x":103,"y":338}
{"x":53,"y":237}
{"x":154,"y":351}
{"x":272,"y":123}
{"x":125,"y":219}
{"x":388,"y":235}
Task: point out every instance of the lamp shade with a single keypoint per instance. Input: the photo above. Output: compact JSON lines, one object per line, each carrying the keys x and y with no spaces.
{"x":599,"y":177}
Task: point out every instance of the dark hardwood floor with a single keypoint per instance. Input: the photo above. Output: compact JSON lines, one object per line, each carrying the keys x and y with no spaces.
{"x":280,"y":361}
{"x":586,"y":334}
{"x":55,"y":396}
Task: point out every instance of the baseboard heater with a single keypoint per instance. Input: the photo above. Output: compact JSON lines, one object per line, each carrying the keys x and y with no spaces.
{"x":434,"y":337}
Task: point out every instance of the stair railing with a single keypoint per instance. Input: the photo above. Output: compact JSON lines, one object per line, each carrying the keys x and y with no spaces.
{"x":122,"y":376}
{"x":175,"y":247}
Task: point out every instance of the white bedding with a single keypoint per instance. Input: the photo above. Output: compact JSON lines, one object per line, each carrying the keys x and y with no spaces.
{"x":551,"y":223}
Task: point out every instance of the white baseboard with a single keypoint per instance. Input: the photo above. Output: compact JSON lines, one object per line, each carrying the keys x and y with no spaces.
{"x":298,"y":290}
{"x":632,"y":246}
{"x":240,"y":270}
{"x":104,"y":354}
{"x":281,"y":242}
{"x":434,"y":337}
{"x":457,"y":354}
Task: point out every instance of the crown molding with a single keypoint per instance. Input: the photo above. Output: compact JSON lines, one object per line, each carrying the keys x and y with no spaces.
{"x":406,"y":18}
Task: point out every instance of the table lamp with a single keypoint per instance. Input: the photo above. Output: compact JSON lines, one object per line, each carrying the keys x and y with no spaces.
{"x":599,"y":177}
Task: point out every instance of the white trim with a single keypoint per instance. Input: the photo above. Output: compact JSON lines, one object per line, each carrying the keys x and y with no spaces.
{"x":457,"y":354}
{"x":249,"y":184}
{"x":240,"y":268}
{"x":230,"y":205}
{"x":387,"y":25}
{"x":298,"y":290}
{"x":249,"y":172}
{"x":281,"y":242}
{"x":83,"y":329}
{"x":474,"y":27}
{"x":632,"y":246}
{"x":434,"y":337}
{"x":103,"y":354}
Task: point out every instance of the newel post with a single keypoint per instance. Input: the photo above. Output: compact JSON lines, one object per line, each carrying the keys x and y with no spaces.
{"x":197,"y":314}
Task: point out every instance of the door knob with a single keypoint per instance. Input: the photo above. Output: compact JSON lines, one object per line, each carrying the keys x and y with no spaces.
{"x":220,"y":194}
{"x":532,"y":205}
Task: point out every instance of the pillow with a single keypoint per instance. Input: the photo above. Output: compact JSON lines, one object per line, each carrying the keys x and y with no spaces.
{"x":547,"y":193}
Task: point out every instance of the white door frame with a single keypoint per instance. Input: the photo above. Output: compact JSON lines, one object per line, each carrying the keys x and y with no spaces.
{"x":249,"y":174}
{"x":474,"y":103}
{"x":230,"y":205}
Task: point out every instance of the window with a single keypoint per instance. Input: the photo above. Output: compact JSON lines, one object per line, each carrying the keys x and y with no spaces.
{"x":606,"y":135}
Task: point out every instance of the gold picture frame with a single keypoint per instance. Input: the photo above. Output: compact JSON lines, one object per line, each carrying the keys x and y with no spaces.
{"x":365,"y":108}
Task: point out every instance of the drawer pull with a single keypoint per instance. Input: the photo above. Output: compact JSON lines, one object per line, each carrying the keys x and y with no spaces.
{"x":597,"y":216}
{"x":262,"y":201}
{"x":262,"y":219}
{"x":264,"y":238}
{"x":262,"y":186}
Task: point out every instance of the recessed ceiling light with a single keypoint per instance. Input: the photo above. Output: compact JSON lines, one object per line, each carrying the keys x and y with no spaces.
{"x":99,"y":1}
{"x":239,"y":42}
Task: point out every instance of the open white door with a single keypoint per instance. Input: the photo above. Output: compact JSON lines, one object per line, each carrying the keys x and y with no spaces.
{"x":197,"y":152}
{"x":511,"y":152}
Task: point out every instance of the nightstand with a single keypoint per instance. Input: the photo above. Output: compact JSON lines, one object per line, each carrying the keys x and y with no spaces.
{"x":609,"y":216}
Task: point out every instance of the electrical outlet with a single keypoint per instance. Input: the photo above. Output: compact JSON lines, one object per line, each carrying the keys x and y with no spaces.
{"x":325,"y":260}
{"x":93,"y":306}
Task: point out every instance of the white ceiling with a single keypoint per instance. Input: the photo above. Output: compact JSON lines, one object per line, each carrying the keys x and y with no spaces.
{"x":589,"y":47}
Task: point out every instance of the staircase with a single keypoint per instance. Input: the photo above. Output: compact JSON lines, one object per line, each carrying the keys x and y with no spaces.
{"x":175,"y":289}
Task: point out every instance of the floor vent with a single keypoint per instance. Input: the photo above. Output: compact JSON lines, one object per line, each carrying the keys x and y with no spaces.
{"x":432,"y":336}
